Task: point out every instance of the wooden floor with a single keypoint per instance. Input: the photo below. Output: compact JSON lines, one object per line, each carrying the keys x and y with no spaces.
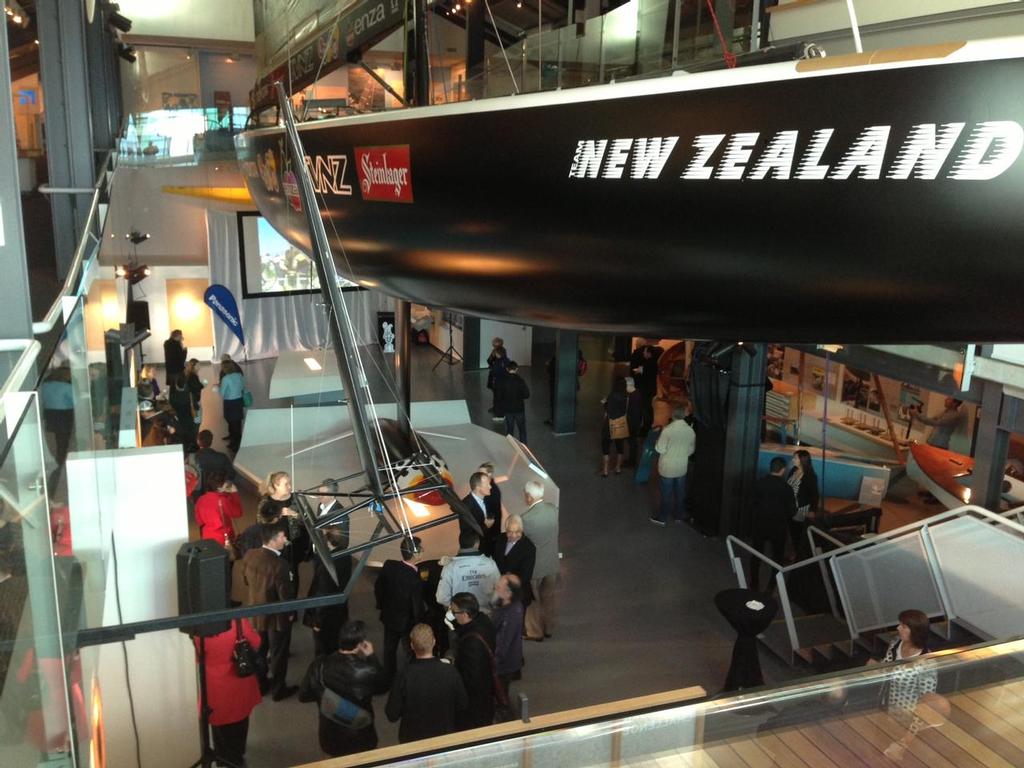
{"x":985,"y":728}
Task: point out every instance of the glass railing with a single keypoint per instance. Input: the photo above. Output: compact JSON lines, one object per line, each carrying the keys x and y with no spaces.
{"x":947,"y":708}
{"x":641,"y":37}
{"x":35,"y":667}
{"x":180,"y":135}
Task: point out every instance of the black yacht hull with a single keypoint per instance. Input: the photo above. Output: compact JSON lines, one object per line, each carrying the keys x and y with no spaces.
{"x":782,"y":202}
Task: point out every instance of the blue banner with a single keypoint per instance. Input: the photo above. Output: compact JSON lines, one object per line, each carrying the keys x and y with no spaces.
{"x":222,"y":302}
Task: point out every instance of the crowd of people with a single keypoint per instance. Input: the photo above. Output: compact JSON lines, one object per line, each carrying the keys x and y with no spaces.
{"x":453,"y":628}
{"x":172,"y":415}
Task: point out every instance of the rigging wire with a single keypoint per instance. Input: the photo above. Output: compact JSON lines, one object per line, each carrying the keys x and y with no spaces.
{"x":501,"y":45}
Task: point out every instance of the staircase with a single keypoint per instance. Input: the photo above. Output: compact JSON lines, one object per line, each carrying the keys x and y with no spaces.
{"x":839,"y":607}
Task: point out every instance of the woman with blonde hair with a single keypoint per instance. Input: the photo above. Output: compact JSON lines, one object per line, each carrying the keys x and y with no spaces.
{"x":276,"y":503}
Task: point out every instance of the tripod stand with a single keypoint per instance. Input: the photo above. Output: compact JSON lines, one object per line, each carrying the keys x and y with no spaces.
{"x":449,"y":355}
{"x":208,"y":755}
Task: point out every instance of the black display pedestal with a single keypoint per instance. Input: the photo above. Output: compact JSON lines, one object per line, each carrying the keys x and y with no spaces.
{"x":745,"y":669}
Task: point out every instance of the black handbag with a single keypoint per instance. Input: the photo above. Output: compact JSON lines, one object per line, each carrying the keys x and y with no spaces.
{"x":244,"y":658}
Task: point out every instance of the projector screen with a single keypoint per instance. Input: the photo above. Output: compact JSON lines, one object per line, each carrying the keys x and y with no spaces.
{"x":271,"y":266}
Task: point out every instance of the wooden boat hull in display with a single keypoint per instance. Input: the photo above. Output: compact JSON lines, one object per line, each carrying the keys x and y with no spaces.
{"x":822,"y":200}
{"x":947,"y":476}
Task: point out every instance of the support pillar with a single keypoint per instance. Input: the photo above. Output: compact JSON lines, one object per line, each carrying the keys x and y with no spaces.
{"x":15,"y":309}
{"x":104,"y":90}
{"x":417,"y":68}
{"x":69,"y":149}
{"x":563,"y":396}
{"x":992,"y":445}
{"x":742,"y":438}
{"x":403,"y":366}
{"x":475,"y":49}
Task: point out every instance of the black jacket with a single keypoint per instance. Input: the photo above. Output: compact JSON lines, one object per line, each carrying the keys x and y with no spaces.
{"x":512,"y":393}
{"x":520,"y":561}
{"x":774,"y":507}
{"x":358,"y":679}
{"x":476,"y":512}
{"x":329,"y":618}
{"x":174,"y":358}
{"x":427,"y":695}
{"x":399,"y":593}
{"x":473,"y":661}
{"x":207,"y":460}
{"x":807,"y":494}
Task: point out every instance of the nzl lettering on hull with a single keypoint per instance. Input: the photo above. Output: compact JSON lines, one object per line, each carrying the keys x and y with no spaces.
{"x":871,"y":205}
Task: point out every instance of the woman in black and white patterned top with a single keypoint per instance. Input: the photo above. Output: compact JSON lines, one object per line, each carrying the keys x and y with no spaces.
{"x":908,"y":683}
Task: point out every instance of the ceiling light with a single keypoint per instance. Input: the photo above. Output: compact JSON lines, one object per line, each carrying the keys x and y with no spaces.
{"x":119,"y":22}
{"x":126,"y":52}
{"x":312,"y":363}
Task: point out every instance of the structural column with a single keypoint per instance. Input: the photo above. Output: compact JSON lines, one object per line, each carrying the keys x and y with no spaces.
{"x":15,"y":309}
{"x":742,"y":438}
{"x":563,"y":398}
{"x":998,"y":416}
{"x":69,"y":148}
{"x":475,"y":49}
{"x":104,"y":84}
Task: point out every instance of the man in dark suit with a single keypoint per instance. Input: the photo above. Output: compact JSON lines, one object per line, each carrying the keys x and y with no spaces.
{"x":512,"y":396}
{"x":474,"y":659}
{"x":774,"y":507}
{"x":492,"y":515}
{"x":515,"y":553}
{"x":175,"y":354}
{"x":476,"y":503}
{"x":327,"y":621}
{"x":267,"y":578}
{"x":399,"y":593}
{"x":427,"y":694}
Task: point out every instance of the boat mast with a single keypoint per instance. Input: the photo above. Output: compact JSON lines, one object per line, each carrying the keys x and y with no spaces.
{"x":342,"y":333}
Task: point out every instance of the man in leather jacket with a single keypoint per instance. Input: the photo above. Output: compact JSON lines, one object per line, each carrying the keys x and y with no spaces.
{"x":355,"y":673}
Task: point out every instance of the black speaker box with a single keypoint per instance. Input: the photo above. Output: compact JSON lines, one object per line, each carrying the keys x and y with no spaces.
{"x":204,"y":579}
{"x":138,"y":314}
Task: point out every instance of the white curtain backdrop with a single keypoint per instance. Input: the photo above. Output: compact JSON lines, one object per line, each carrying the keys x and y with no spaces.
{"x":272,"y":325}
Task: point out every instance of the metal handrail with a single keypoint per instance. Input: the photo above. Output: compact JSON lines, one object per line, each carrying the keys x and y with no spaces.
{"x":72,"y":283}
{"x":919,"y":525}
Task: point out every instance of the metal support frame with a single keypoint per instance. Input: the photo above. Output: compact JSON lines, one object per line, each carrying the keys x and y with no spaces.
{"x":403,"y":365}
{"x":815,"y":549}
{"x":787,"y":611}
{"x":383,"y":83}
{"x":936,"y":570}
{"x":476,"y":54}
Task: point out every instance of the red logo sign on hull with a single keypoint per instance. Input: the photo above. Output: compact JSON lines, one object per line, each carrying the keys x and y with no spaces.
{"x":385,"y":173}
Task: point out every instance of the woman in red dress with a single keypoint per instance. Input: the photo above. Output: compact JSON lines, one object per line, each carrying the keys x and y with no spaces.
{"x":231,"y":698}
{"x":216,"y":509}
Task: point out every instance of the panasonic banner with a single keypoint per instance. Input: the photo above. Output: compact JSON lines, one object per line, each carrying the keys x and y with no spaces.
{"x":222,"y":302}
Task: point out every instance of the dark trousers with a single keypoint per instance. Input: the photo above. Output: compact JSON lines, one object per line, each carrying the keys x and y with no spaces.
{"x":516,"y":421}
{"x":234,"y":413}
{"x":278,"y":643}
{"x":777,"y":546}
{"x":229,"y":741}
{"x":61,"y":422}
{"x":394,"y":643}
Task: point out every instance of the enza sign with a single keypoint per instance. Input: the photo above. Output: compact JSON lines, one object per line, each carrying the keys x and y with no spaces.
{"x":986,"y":150}
{"x":385,"y":173}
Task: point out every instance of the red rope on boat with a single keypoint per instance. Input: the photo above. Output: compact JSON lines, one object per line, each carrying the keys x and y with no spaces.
{"x":729,"y":56}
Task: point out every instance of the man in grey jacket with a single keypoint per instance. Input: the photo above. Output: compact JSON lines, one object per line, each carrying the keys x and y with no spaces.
{"x":469,"y":571}
{"x":540,"y":525}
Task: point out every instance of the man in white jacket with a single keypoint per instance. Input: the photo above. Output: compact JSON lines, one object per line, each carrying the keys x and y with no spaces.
{"x":675,"y":446}
{"x":469,"y":571}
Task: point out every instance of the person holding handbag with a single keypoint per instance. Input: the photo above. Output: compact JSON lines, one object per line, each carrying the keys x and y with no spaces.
{"x":216,"y":509}
{"x":614,"y":427}
{"x":231,"y":698}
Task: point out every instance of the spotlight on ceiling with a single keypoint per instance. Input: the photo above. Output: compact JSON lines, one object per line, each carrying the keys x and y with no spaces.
{"x":117,"y":21}
{"x":126,"y":52}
